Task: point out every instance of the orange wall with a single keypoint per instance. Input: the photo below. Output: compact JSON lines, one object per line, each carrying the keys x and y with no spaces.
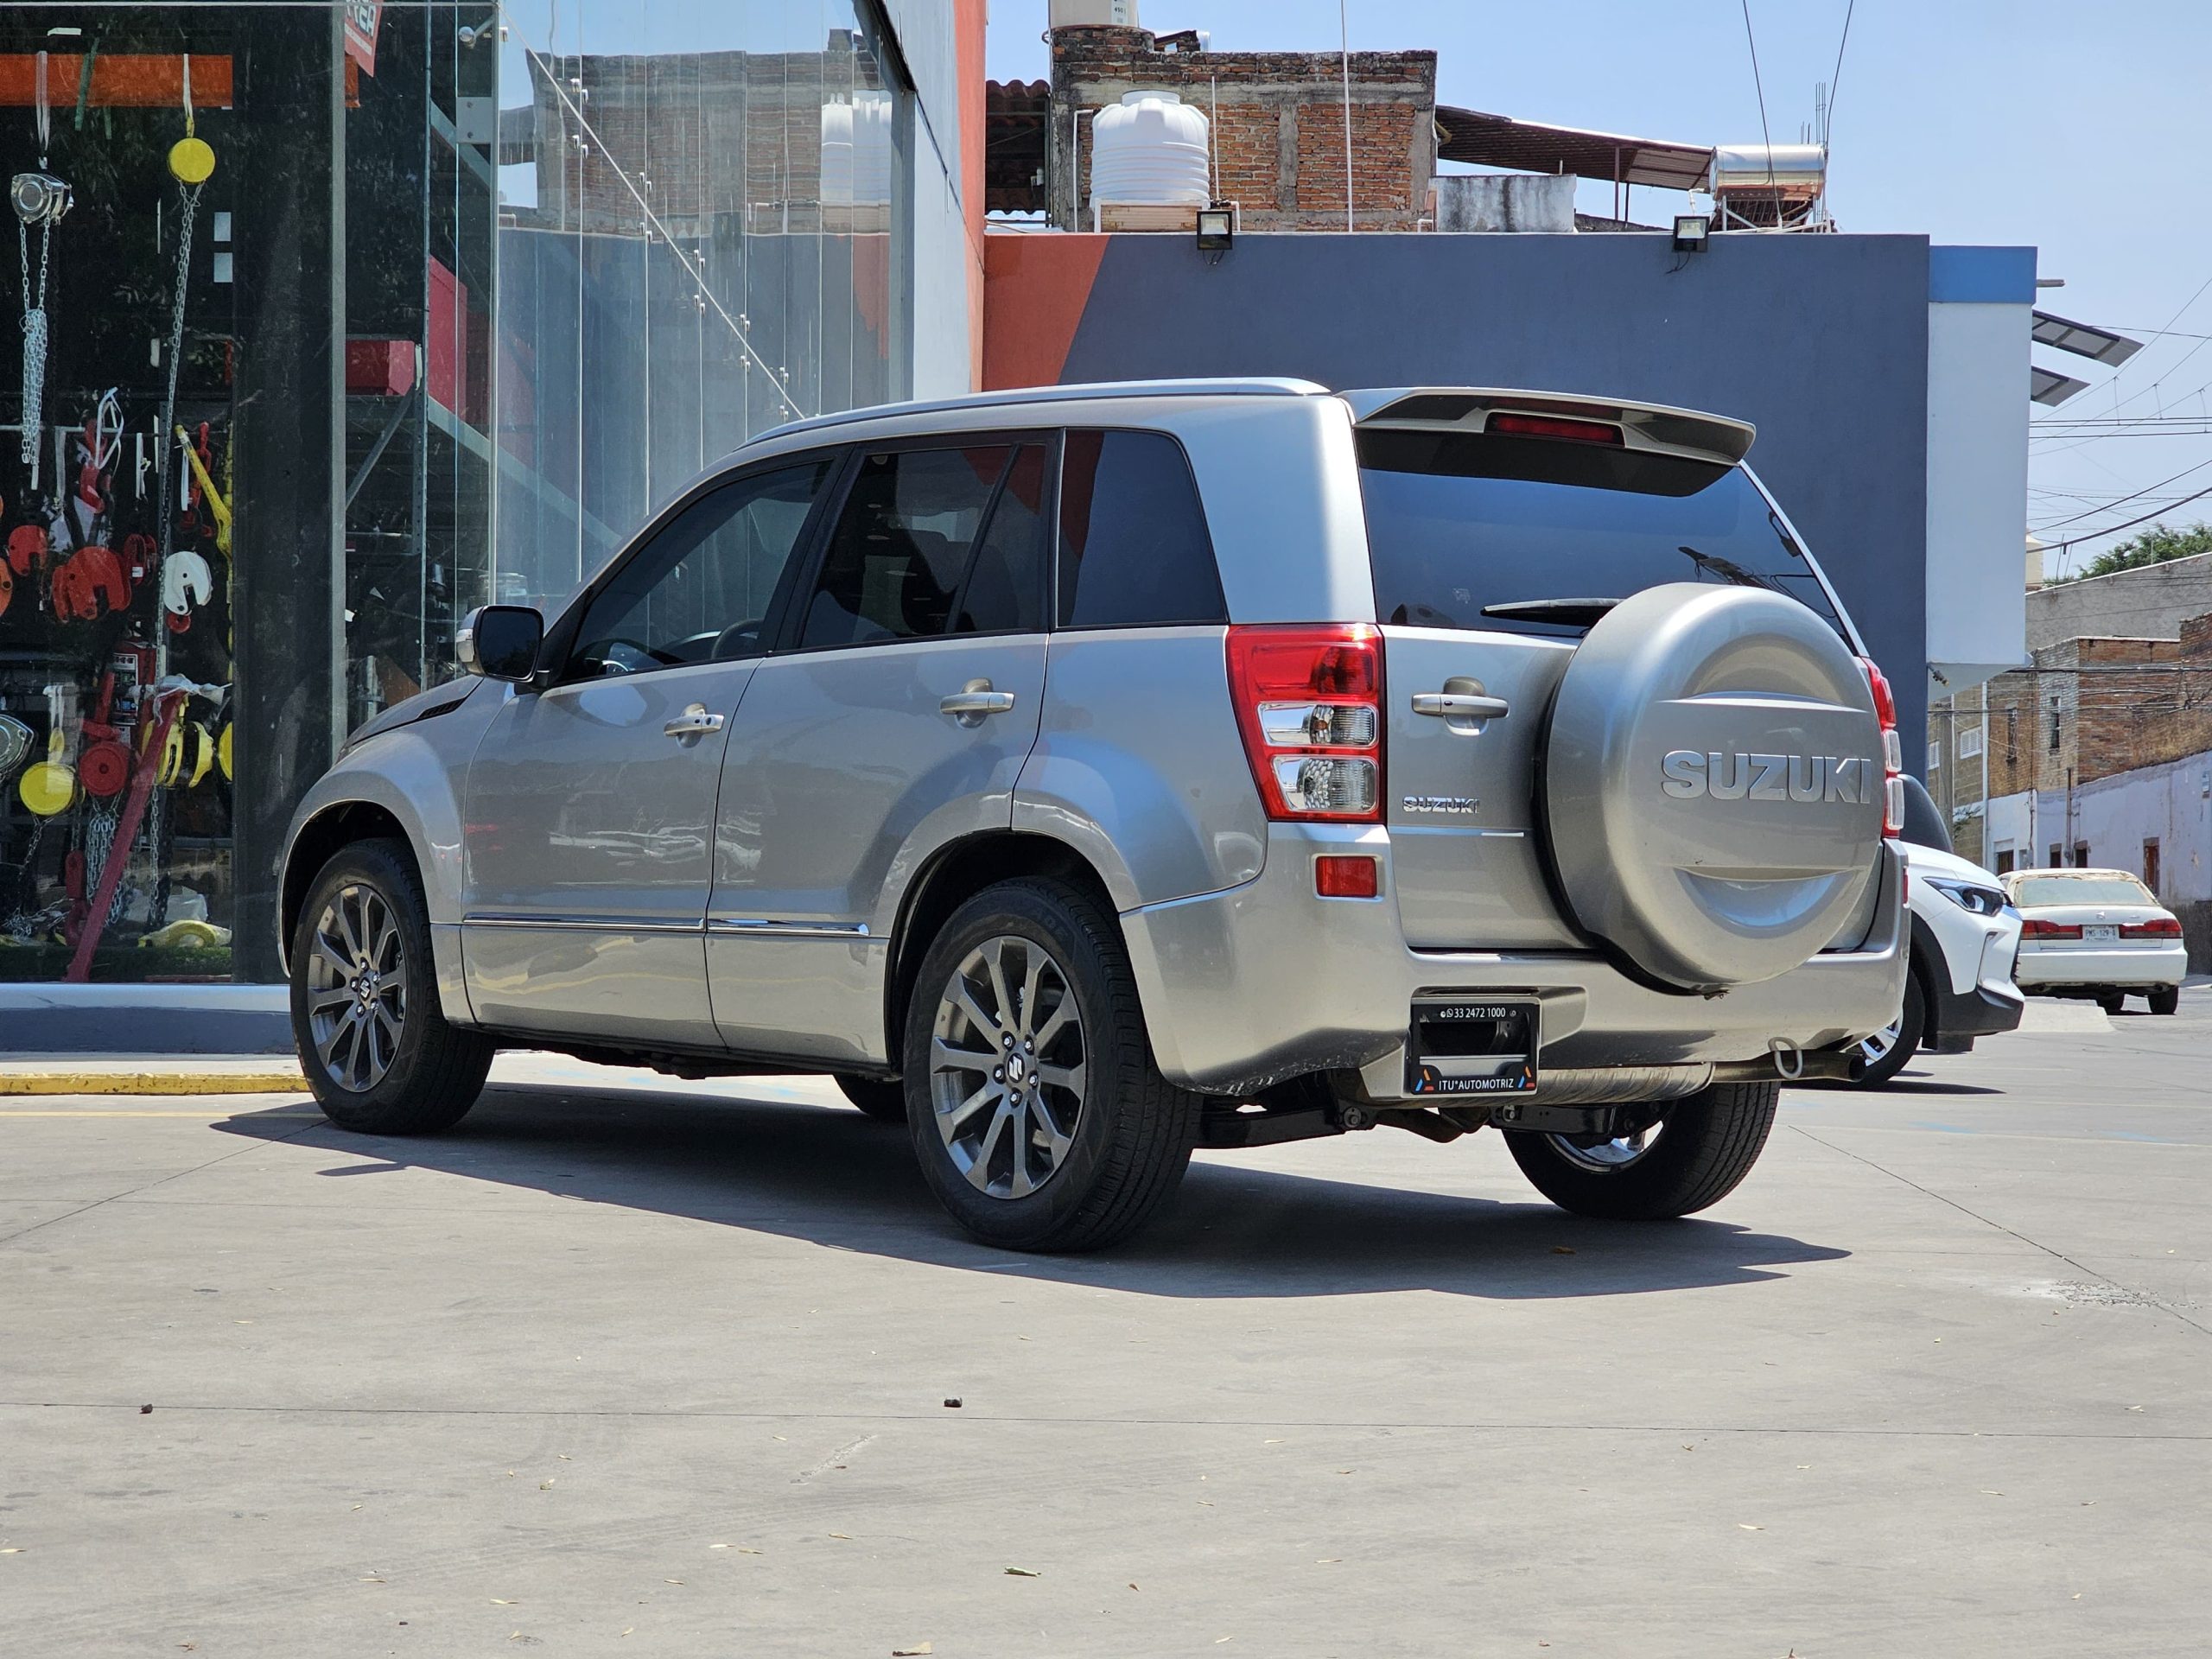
{"x":1035,"y":292}
{"x":968,"y":17}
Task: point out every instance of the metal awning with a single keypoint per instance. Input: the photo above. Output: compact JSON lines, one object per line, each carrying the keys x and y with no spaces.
{"x":2085,"y":340}
{"x":2050,"y":388}
{"x":1531,"y":147}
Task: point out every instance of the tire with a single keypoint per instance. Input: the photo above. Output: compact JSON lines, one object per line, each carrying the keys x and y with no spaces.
{"x":1013,"y":1169}
{"x":1702,"y":1149}
{"x":884,"y":1101}
{"x":1888,"y":1052}
{"x":2113,"y":1002}
{"x":369,"y":895}
{"x":2167,"y":1000}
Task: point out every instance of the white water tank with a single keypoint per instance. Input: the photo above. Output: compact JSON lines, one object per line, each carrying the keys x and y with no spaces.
{"x":1094,"y":13}
{"x":1150,"y":147}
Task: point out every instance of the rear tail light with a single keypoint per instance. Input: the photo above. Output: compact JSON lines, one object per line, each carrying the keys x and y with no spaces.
{"x":2164,"y":927}
{"x":2036,"y":930}
{"x":1885,"y":710}
{"x":1550,"y":426}
{"x":1309,"y":704}
{"x":1345,"y":875}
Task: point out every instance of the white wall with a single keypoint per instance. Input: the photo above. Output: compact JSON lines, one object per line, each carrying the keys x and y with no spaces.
{"x":943,"y":359}
{"x":1977,"y":490}
{"x":2173,"y":803}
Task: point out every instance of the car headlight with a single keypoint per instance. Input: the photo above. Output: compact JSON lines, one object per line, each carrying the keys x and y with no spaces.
{"x":1982,"y":901}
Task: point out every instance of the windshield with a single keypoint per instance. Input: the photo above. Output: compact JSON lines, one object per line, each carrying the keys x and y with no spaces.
{"x":1462,"y":525}
{"x":2082,"y":890}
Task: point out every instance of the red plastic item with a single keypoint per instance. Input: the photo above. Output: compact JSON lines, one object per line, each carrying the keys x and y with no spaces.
{"x":89,"y":584}
{"x":27,"y":549}
{"x":1550,"y":426}
{"x":1342,"y":875}
{"x":126,"y":831}
{"x":105,"y":766}
{"x":379,"y":368}
{"x":1885,"y":710}
{"x":1335,"y":667}
{"x":2162,"y":927}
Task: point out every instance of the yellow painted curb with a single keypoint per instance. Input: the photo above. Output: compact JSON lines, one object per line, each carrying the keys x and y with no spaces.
{"x":152,"y":1083}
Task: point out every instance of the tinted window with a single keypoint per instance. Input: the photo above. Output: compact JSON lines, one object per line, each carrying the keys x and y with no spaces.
{"x":700,"y":589}
{"x":896,"y":560}
{"x":1923,"y":821}
{"x":1459,"y":523}
{"x":1005,"y":579}
{"x":2080,"y":890}
{"x":1134,"y":548}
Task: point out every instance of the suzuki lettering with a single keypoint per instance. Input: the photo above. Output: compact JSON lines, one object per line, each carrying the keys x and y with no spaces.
{"x":1690,"y":774}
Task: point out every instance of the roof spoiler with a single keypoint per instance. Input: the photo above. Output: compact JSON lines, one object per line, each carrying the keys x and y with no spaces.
{"x":1655,"y":428}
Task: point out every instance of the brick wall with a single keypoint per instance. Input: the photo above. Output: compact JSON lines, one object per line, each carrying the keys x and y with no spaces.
{"x":1279,"y":126}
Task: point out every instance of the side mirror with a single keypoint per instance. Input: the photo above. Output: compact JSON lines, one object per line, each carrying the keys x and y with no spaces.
{"x":500,"y":642}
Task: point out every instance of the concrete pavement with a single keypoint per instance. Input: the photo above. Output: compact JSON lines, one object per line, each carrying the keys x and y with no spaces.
{"x":625,"y":1366}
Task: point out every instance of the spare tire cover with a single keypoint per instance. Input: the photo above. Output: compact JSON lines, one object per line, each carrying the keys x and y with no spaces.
{"x":1714,"y":784}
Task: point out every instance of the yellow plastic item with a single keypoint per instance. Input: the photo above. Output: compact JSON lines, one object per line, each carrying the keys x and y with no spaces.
{"x":191,"y":161}
{"x":203,"y":753}
{"x":50,"y":786}
{"x":188,"y":935}
{"x":216,"y":505}
{"x":223,"y":750}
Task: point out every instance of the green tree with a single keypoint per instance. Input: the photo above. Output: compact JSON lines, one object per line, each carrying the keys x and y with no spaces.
{"x":2157,"y":545}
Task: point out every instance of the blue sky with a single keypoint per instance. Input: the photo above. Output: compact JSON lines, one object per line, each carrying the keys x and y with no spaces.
{"x":2080,"y":129}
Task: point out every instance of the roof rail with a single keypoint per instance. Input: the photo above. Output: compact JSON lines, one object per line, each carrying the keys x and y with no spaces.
{"x":1194,"y":388}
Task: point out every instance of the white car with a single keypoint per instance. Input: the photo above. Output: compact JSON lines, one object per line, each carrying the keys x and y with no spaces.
{"x":1965,"y":934}
{"x":2097,"y":933}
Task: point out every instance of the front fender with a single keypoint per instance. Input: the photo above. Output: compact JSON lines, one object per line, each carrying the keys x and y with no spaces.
{"x":415,"y":775}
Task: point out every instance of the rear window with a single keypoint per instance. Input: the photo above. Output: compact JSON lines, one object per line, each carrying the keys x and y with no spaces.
{"x":2080,"y":890}
{"x":1459,"y":523}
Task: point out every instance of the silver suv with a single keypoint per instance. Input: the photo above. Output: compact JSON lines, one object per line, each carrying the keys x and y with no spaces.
{"x":1084,"y":775}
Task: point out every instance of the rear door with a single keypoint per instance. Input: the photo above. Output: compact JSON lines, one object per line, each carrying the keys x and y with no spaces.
{"x":897,"y":720}
{"x":1493,"y":554}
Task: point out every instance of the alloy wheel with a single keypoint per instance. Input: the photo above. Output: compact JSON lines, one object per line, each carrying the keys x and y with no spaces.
{"x":1008,"y":1066}
{"x":357,"y":988}
{"x":1877,"y":1047}
{"x":1614,"y":1152}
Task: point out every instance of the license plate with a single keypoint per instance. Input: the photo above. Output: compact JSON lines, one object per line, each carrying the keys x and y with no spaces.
{"x":2100,"y":935}
{"x":1472,"y":1046}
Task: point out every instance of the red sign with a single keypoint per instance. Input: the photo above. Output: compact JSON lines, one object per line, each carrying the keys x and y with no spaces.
{"x":361,"y":18}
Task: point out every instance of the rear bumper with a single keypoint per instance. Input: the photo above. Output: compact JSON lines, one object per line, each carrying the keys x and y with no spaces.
{"x":2073,"y":967}
{"x":1962,"y":1016}
{"x":1267,"y":981}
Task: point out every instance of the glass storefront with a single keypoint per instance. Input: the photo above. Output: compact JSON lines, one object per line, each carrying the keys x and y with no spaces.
{"x":338,"y":321}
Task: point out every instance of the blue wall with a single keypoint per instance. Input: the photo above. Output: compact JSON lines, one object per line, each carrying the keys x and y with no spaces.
{"x":1820,"y":340}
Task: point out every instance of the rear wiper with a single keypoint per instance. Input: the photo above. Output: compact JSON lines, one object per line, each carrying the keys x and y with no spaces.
{"x":1585,"y":612}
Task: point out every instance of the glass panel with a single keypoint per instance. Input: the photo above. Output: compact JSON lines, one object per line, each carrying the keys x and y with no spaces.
{"x":1006,"y":584}
{"x":901,"y":545}
{"x":680,"y":230}
{"x":1459,"y":522}
{"x":700,"y":591}
{"x":1134,"y":546}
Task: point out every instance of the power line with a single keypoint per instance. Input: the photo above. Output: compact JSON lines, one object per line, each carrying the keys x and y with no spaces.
{"x":2145,"y":490}
{"x":2109,"y":529}
{"x":1836,"y":75}
{"x":1761,"y":91}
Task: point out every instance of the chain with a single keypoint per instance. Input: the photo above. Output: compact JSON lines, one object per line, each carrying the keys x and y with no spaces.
{"x":167,"y":450}
{"x":23,"y":923}
{"x":35,"y":334}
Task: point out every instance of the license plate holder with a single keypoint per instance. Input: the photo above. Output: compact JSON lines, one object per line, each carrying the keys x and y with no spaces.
{"x":1473,"y":1046}
{"x":2094,"y":934}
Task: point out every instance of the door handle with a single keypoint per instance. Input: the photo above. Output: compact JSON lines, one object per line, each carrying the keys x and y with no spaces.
{"x":693,"y":722}
{"x":969,"y":705}
{"x":1460,"y":705}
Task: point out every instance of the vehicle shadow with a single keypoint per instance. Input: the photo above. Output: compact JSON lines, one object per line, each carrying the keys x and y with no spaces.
{"x":832,"y":1177}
